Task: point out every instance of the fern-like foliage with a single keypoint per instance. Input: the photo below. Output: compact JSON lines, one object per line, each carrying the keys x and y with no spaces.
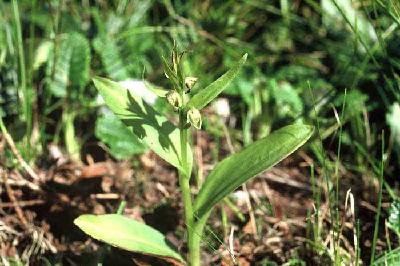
{"x":71,"y":64}
{"x":110,"y":57}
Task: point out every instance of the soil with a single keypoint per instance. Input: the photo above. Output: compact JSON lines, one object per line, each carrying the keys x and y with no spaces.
{"x":281,"y":200}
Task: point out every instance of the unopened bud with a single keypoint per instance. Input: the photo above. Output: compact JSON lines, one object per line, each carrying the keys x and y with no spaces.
{"x":194,"y":117}
{"x":174,"y":99}
{"x":190,"y":82}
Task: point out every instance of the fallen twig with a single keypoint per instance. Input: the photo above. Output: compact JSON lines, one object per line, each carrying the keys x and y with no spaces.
{"x":16,"y":153}
{"x":13,"y":199}
{"x":26,"y":203}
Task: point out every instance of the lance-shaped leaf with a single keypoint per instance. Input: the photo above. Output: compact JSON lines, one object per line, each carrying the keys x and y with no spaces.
{"x":233,"y":171}
{"x":206,"y":95}
{"x":147,"y":124}
{"x":122,"y":142}
{"x":128,"y":234}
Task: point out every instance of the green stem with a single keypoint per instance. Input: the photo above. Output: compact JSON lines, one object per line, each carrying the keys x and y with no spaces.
{"x":378,"y":211}
{"x":25,"y":94}
{"x":195,"y":240}
{"x":69,"y":134}
{"x":184,"y":179}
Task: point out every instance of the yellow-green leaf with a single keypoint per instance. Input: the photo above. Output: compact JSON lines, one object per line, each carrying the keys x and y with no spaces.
{"x":233,"y":171}
{"x":147,"y":124}
{"x":206,"y":95}
{"x":128,"y":234}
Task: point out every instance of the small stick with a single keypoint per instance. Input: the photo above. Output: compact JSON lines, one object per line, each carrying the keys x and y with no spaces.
{"x":16,"y":153}
{"x":26,"y":203}
{"x":14,"y":200}
{"x":22,"y":182}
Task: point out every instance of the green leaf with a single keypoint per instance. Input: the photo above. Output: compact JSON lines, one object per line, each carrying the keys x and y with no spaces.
{"x":128,"y":234}
{"x":59,"y":82}
{"x":206,"y":95}
{"x":394,"y":216}
{"x":233,"y":171}
{"x":110,"y":56}
{"x":42,"y":54}
{"x":170,"y":73}
{"x":391,"y":258}
{"x":122,"y":142}
{"x":72,"y":64}
{"x":80,"y":60}
{"x":147,"y":124}
{"x":393,"y":120}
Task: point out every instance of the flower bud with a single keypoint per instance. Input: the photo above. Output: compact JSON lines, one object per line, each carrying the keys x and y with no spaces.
{"x":189,"y":82}
{"x":174,"y":99}
{"x":194,"y":117}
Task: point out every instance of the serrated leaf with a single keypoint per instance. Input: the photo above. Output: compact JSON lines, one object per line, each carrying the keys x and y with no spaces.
{"x":59,"y":82}
{"x":122,"y":142}
{"x":128,"y":234}
{"x":80,"y":60}
{"x":71,"y":65}
{"x":152,"y":129}
{"x":233,"y":171}
{"x":110,"y":57}
{"x":206,"y":95}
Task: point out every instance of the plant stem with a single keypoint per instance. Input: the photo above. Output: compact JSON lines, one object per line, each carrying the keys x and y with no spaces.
{"x":25,"y":94}
{"x":195,"y":240}
{"x":184,"y":179}
{"x":71,"y":143}
{"x":378,"y":211}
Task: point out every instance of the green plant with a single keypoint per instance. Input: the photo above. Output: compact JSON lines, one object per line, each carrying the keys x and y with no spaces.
{"x":171,"y":142}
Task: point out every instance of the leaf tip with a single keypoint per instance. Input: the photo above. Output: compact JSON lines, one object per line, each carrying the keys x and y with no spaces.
{"x":98,"y":79}
{"x":82,"y":220}
{"x":310,"y":129}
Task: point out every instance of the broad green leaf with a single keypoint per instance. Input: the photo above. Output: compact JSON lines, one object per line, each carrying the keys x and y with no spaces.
{"x":233,"y":171}
{"x":206,"y":95}
{"x":128,"y":234}
{"x":60,"y":77}
{"x":287,"y":98}
{"x":159,"y":91}
{"x":122,"y":142}
{"x":71,"y":65}
{"x":150,"y":127}
{"x":80,"y":60}
{"x":110,"y":57}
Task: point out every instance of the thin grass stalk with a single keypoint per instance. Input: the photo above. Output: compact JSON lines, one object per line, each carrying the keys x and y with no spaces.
{"x":24,"y":94}
{"x":378,"y":209}
{"x":358,"y":250}
{"x":337,"y":222}
{"x":324,"y":166}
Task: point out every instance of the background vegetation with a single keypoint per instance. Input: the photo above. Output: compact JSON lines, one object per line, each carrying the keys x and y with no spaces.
{"x":331,"y":63}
